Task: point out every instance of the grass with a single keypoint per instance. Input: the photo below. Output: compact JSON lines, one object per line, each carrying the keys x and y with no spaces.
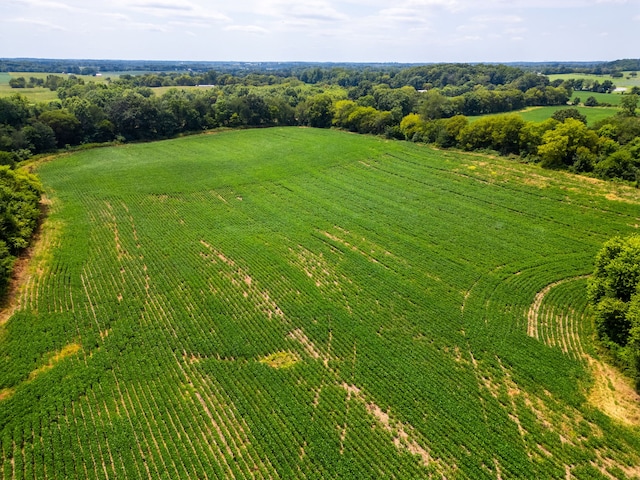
{"x":625,"y":82}
{"x":434,"y":302}
{"x":593,"y":114}
{"x":610,"y":98}
{"x":37,"y":94}
{"x":539,"y":114}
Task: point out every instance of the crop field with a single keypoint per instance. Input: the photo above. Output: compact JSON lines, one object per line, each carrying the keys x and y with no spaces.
{"x":305,"y":303}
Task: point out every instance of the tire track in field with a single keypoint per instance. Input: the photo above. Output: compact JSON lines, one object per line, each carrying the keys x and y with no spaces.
{"x":565,"y":332}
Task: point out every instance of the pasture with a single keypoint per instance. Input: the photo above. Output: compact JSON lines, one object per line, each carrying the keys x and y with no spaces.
{"x":540,"y":114}
{"x":625,"y":81}
{"x":610,"y":98}
{"x":38,"y":94}
{"x":593,"y":114}
{"x":305,"y":303}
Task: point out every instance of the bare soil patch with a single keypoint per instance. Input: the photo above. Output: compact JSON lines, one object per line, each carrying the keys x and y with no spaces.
{"x":280,"y":360}
{"x":613,"y":393}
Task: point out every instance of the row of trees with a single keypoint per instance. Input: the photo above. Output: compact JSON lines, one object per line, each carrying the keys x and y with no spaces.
{"x":614,"y":293}
{"x":609,"y":150}
{"x":89,"y":112}
{"x":19,"y":212}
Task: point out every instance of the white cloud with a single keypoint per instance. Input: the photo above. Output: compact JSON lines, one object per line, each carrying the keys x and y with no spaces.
{"x":497,"y":19}
{"x":173,"y":10}
{"x":44,"y":4}
{"x":305,"y":10}
{"x":246,"y":29}
{"x":37,"y":23}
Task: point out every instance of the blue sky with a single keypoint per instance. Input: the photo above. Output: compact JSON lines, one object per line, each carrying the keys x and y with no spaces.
{"x":322,"y":30}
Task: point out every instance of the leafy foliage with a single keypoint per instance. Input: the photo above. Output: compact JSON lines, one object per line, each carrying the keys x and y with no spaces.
{"x":614,"y":291}
{"x":19,"y":213}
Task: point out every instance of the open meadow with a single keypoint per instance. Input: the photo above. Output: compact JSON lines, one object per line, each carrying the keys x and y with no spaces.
{"x":307,"y":303}
{"x":626,"y":81}
{"x":540,"y":114}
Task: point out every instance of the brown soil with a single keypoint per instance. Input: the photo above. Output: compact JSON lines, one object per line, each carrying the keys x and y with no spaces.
{"x":613,"y":393}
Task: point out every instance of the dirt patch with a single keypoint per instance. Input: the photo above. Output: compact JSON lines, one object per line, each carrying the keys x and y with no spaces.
{"x":280,"y":360}
{"x":308,"y":345}
{"x":6,"y":393}
{"x":613,"y":394}
{"x":615,"y":198}
{"x":402,"y":434}
{"x":65,"y":352}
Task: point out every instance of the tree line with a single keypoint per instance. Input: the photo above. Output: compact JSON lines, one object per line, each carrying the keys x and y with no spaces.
{"x":19,"y":213}
{"x":614,"y":293}
{"x":363,"y":101}
{"x":127,"y":109}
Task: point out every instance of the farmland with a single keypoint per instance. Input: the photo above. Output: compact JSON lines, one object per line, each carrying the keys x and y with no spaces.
{"x":626,"y":81}
{"x":307,"y":303}
{"x":540,"y":114}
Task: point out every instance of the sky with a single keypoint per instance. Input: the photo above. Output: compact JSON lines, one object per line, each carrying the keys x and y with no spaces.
{"x":404,"y":31}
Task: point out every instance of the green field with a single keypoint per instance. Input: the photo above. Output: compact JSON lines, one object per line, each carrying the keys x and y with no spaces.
{"x":593,"y":114}
{"x":304,"y":303}
{"x":610,"y":98}
{"x":37,"y":94}
{"x":540,"y":114}
{"x":625,"y":82}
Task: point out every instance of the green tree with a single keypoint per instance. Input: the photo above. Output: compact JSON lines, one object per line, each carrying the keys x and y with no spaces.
{"x":629,"y":104}
{"x":19,"y":82}
{"x":64,"y":124}
{"x":317,"y":111}
{"x":434,"y":105}
{"x":39,"y":137}
{"x":19,"y":198}
{"x":562,"y":114}
{"x":14,"y":110}
{"x":591,"y":102}
{"x":560,"y":145}
{"x":412,"y":127}
{"x":619,"y":164}
{"x":613,"y":292}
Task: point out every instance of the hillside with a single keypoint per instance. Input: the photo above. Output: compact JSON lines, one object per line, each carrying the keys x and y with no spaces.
{"x":306,"y":303}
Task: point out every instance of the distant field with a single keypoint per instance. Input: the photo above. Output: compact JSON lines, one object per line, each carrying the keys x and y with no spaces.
{"x":34,"y":95}
{"x":619,"y":82}
{"x":37,"y":94}
{"x":162,"y":90}
{"x":304,"y":303}
{"x":593,"y":114}
{"x":610,"y":98}
{"x":539,"y":114}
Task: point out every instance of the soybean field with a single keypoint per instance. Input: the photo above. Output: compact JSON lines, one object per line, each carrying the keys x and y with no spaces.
{"x":305,"y":303}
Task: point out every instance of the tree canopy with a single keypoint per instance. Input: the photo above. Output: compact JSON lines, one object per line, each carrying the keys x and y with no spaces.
{"x":19,"y":198}
{"x":614,"y":293}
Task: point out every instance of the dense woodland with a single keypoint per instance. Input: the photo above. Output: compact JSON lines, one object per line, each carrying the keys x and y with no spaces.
{"x":615,"y":297}
{"x":19,"y":213}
